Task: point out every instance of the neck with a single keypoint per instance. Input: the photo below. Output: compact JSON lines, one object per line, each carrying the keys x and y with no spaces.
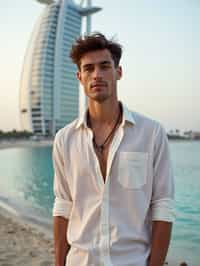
{"x":103,"y":113}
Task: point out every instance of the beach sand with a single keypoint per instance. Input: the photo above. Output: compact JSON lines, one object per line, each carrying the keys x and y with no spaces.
{"x":23,"y":245}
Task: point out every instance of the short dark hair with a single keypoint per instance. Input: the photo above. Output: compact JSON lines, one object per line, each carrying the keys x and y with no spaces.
{"x":93,"y":42}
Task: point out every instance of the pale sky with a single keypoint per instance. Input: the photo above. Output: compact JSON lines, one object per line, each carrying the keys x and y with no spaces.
{"x":161,"y":58}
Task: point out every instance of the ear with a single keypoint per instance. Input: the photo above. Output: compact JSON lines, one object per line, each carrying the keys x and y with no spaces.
{"x":119,"y":72}
{"x":78,"y":75}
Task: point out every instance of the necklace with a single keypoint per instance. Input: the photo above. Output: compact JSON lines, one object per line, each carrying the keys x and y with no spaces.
{"x":100,"y":148}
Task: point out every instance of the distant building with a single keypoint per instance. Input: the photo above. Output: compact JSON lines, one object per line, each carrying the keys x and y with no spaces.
{"x":49,"y":90}
{"x":187,"y":135}
{"x":196,"y":135}
{"x":175,"y":134}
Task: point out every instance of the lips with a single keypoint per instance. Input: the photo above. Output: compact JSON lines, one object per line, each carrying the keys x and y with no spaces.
{"x":95,"y":85}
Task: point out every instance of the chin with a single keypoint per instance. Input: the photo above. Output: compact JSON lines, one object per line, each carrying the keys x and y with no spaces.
{"x":99,"y":98}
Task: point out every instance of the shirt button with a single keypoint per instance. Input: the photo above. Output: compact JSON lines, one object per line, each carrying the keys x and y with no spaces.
{"x":104,"y":251}
{"x":104,"y":200}
{"x":104,"y":228}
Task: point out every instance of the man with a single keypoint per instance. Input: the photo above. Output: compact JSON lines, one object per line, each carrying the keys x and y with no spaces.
{"x":113,"y":183}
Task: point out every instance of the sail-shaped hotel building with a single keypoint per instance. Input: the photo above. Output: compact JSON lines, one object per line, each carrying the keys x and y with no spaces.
{"x":49,"y":90}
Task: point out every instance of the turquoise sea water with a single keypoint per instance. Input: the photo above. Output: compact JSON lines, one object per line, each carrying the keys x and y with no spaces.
{"x":26,"y":178}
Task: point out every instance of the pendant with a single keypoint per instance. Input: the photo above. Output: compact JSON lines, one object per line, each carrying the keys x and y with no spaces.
{"x":100,"y":148}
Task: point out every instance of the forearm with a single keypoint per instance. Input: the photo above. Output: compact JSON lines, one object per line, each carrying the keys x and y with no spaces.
{"x":60,"y":240}
{"x":161,"y":234}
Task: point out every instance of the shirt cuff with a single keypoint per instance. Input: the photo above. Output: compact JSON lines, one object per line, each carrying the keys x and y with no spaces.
{"x":62,"y":208}
{"x":163,"y":210}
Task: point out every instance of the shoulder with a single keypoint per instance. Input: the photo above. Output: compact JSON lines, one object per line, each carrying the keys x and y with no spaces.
{"x":151,"y":132}
{"x":148,"y":127}
{"x":66,"y":132}
{"x":144,"y":122}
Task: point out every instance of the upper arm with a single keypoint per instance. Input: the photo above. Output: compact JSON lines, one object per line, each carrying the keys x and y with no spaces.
{"x":63,"y":200}
{"x":163,"y":179}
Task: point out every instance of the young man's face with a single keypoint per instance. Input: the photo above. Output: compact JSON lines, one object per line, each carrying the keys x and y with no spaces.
{"x":98,"y":75}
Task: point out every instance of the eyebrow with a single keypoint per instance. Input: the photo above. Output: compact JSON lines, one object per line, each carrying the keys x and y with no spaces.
{"x":105,"y":62}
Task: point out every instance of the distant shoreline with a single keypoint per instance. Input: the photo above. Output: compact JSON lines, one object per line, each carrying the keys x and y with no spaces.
{"x":182,"y":139}
{"x":23,"y":143}
{"x":6,"y":144}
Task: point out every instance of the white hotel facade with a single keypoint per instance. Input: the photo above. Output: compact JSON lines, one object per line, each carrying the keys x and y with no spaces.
{"x":49,"y":90}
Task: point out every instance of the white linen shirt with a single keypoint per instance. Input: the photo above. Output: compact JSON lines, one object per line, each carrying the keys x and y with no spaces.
{"x":110,"y":223}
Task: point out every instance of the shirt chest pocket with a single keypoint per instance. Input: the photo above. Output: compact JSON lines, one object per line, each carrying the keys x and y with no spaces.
{"x":132,"y":169}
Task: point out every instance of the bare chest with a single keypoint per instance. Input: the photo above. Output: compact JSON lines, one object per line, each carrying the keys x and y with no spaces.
{"x":102,"y":158}
{"x":102,"y":155}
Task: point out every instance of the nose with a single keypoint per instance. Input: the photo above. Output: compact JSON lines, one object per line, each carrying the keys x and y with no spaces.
{"x":97,"y":73}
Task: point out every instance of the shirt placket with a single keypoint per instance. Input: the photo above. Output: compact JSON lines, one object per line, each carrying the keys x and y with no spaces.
{"x":104,"y":222}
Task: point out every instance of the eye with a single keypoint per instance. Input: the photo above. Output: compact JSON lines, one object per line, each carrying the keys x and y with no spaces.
{"x":88,"y":68}
{"x":105,"y":66}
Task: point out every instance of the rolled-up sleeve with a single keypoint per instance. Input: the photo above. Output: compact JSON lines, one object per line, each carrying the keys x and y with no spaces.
{"x":63,"y":202}
{"x":162,"y":202}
